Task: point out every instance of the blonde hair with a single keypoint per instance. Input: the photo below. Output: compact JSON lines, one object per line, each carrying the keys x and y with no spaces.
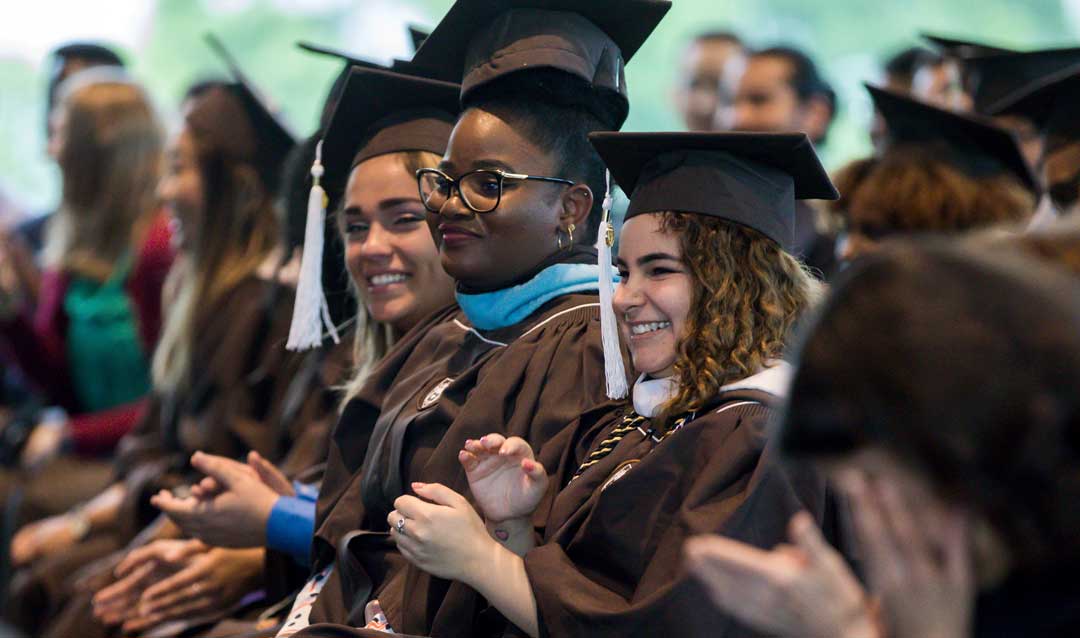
{"x":373,"y":339}
{"x":747,"y":294}
{"x":236,"y":233}
{"x":110,"y":161}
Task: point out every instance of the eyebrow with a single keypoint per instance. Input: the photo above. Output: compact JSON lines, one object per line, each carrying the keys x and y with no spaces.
{"x":645,"y":259}
{"x":651,"y":257}
{"x":383,"y":205}
{"x":480,"y":164}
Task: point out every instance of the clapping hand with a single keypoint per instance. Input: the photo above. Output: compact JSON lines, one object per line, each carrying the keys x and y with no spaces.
{"x":505,"y":480}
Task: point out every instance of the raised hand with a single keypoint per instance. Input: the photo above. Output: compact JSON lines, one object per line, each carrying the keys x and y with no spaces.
{"x":229,"y":510}
{"x":802,"y":589}
{"x":917,"y":557}
{"x":504,"y":477}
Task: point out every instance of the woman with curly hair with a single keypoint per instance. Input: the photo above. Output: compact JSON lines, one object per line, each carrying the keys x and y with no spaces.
{"x":706,"y":300}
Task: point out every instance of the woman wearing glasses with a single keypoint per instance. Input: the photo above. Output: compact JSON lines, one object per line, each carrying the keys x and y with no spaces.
{"x":706,"y":300}
{"x":513,"y":210}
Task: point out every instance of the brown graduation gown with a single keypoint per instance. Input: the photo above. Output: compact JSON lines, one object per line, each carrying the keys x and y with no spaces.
{"x":444,"y":383}
{"x":610,"y":563}
{"x":610,"y":559}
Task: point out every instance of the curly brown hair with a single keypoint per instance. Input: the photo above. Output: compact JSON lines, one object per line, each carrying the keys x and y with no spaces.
{"x":916,"y":189}
{"x":747,"y":294}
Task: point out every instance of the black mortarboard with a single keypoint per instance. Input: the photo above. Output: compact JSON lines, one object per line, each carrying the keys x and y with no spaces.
{"x":384,"y":112}
{"x":972,"y":143}
{"x":958,"y":48}
{"x":992,"y":78}
{"x":479,"y":41}
{"x":270,"y":140}
{"x":751,"y":179}
{"x":417,"y":36}
{"x":1053,"y":103}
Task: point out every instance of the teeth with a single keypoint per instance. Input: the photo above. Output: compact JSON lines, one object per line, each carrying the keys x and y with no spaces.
{"x":383,"y":280}
{"x":642,"y":328}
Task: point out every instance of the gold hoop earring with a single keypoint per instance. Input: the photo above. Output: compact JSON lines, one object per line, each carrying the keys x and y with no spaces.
{"x":570,"y":231}
{"x":558,"y":239}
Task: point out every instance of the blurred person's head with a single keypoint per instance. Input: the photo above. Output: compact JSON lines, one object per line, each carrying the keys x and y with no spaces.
{"x":938,"y":172}
{"x":939,"y":82}
{"x":68,"y":59}
{"x":914,"y":190}
{"x":701,"y":90}
{"x":899,"y":75}
{"x":901,"y":67}
{"x":219,"y":190}
{"x":108,"y":144}
{"x":781,"y":90}
{"x":967,"y":401}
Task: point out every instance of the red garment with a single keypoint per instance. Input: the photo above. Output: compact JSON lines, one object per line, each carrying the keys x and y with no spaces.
{"x":37,"y":339}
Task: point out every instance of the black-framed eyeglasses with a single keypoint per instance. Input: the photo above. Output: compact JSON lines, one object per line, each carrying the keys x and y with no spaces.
{"x":480,"y":190}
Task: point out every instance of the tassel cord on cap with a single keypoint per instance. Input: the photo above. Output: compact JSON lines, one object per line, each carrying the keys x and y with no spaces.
{"x":311,"y":312}
{"x":614,"y":371}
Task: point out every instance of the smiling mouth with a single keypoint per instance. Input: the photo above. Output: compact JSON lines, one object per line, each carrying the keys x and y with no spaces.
{"x":386,"y":279}
{"x":640,"y":329}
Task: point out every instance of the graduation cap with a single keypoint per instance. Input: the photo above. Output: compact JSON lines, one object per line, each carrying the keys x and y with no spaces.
{"x":257,"y":136}
{"x":962,"y":49}
{"x":417,"y":36}
{"x":384,"y":112}
{"x":1052,"y":103}
{"x":994,"y":77}
{"x":479,"y":41}
{"x":379,"y":112}
{"x":974,"y":144}
{"x":751,"y":179}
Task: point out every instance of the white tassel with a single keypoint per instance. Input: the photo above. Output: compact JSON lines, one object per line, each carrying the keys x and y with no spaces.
{"x":310,"y":310}
{"x":614,"y":372}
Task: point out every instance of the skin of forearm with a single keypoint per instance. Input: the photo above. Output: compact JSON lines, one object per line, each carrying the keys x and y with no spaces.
{"x":503,"y":581}
{"x":516,"y":534}
{"x":103,"y":508}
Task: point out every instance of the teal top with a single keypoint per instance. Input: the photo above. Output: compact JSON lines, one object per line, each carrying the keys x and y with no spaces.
{"x":106,"y":360}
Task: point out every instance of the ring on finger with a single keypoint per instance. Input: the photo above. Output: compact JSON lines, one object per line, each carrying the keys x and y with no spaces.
{"x":400,"y":525}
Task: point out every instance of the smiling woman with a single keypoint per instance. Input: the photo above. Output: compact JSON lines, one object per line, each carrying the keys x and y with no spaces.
{"x":706,"y":299}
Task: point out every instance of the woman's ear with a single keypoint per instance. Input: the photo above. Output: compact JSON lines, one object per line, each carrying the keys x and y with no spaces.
{"x":577,"y":203}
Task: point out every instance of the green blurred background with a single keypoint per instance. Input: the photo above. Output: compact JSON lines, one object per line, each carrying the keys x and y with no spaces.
{"x":162,"y":42}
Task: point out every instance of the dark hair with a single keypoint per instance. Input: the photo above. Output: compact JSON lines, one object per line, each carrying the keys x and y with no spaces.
{"x":907,"y":62}
{"x":557,"y":111}
{"x":199,"y":88}
{"x":719,"y":36}
{"x":805,"y":79}
{"x":963,"y":364}
{"x":90,"y":53}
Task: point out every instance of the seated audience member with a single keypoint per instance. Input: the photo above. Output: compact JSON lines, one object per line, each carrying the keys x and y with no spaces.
{"x":1050,"y":103}
{"x":781,"y":90}
{"x":959,"y":463}
{"x":701,"y":91}
{"x":218,"y":372}
{"x":940,"y":172}
{"x":83,"y":330}
{"x":706,"y":300}
{"x":382,"y":133}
